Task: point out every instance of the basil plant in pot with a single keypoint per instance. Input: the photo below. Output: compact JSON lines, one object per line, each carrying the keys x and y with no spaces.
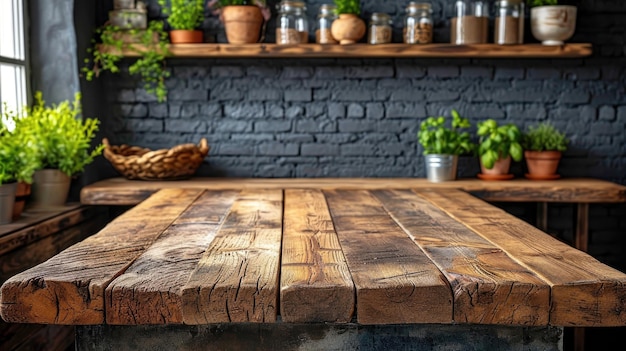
{"x":550,"y":22}
{"x":543,"y":148}
{"x":443,"y":144}
{"x":63,"y":139}
{"x":498,"y":144}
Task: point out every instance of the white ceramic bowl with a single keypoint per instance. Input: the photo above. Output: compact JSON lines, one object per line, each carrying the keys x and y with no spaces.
{"x":552,"y":25}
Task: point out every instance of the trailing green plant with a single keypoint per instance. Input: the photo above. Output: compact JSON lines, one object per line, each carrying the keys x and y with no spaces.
{"x":183,"y":14}
{"x":19,"y":157}
{"x":437,"y":138}
{"x":535,"y":3}
{"x":348,"y":6}
{"x":110,"y":44}
{"x":544,"y":137}
{"x":61,"y":135}
{"x":498,"y":142}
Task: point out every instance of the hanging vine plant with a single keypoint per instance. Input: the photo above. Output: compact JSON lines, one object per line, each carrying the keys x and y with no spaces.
{"x":151,"y":45}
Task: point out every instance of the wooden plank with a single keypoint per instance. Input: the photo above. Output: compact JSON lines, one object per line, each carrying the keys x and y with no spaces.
{"x":149,"y":290}
{"x":236,"y":280}
{"x":488,"y":286}
{"x":120,"y":191}
{"x":268,"y":50}
{"x":315,"y":283}
{"x":585,"y":292}
{"x":69,"y":287}
{"x":395,"y":281}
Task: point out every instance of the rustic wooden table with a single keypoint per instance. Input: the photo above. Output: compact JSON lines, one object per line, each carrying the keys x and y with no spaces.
{"x":366,"y":256}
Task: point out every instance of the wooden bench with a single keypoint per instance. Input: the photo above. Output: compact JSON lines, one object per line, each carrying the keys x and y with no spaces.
{"x":30,"y":240}
{"x":361,"y":256}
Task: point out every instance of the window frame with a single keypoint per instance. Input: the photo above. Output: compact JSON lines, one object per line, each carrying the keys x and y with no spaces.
{"x":25,"y":62}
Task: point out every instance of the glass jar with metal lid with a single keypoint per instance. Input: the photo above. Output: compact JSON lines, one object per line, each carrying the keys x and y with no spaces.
{"x":292,"y":26}
{"x":379,"y":31}
{"x":509,"y":22}
{"x":325,"y":20}
{"x":418,"y":23}
{"x":470,"y":22}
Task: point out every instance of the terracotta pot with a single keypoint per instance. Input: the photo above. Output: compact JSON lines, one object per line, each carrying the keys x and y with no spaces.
{"x":348,"y":29}
{"x":21,"y":195}
{"x":179,"y":36}
{"x":242,"y":24}
{"x":542,"y":163}
{"x":501,"y":167}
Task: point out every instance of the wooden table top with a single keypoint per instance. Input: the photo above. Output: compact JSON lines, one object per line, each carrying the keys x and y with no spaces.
{"x":371,"y":256}
{"x":120,"y":191}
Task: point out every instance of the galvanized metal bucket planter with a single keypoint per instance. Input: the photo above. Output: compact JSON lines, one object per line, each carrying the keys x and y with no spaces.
{"x":441,"y":168}
{"x":50,"y":188}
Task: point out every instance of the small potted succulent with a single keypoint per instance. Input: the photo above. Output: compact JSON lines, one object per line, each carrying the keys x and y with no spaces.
{"x":497,"y":145}
{"x":244,"y":20}
{"x":184,"y":18}
{"x":550,"y":22}
{"x":443,"y":144}
{"x":543,"y":148}
{"x":349,"y":28}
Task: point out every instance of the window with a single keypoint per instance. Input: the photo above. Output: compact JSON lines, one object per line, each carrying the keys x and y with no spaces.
{"x":13,"y":55}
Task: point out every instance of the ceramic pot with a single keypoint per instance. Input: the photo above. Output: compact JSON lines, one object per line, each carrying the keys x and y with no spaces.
{"x":552,"y":25}
{"x":50,"y":188}
{"x":441,"y":168}
{"x":7,"y":200}
{"x":542,"y":164}
{"x":179,"y":36}
{"x":242,"y":24}
{"x":501,"y":167}
{"x":22,"y":193}
{"x":348,"y":29}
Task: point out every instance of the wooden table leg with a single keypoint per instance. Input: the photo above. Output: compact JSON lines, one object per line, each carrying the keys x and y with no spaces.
{"x":542,"y":216}
{"x":581,"y":242}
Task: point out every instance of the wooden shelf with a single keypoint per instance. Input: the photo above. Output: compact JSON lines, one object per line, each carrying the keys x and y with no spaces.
{"x":383,"y":50}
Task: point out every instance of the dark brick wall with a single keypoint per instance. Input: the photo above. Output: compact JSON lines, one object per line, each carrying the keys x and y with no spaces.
{"x":359,"y":117}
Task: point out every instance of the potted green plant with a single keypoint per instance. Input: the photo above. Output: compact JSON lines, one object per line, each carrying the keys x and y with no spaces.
{"x":551,"y":23}
{"x":63,"y":138}
{"x":497,"y":145}
{"x":184,"y":18}
{"x":244,"y":20}
{"x":443,"y":144}
{"x":543,"y":148}
{"x":18,"y":162}
{"x":349,"y":28}
{"x":150,"y":45}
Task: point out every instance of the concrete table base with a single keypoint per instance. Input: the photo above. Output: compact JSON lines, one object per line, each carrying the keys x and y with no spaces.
{"x":290,"y":336}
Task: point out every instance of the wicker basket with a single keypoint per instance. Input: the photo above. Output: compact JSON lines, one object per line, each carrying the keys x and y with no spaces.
{"x":179,"y":162}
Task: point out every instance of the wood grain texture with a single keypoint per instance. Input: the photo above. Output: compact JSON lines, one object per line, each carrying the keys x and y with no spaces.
{"x":149,"y":291}
{"x":584,"y":292}
{"x":236,"y":280}
{"x":315,"y":283}
{"x":267,"y":50}
{"x":395,"y":281}
{"x":120,"y":191}
{"x":488,"y":286}
{"x":69,"y":288}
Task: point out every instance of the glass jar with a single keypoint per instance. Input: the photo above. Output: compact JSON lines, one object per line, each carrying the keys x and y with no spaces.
{"x":379,"y":29}
{"x":471,"y":22}
{"x":418,"y":24}
{"x":292,"y":26}
{"x":325,"y":20}
{"x":509,"y":22}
